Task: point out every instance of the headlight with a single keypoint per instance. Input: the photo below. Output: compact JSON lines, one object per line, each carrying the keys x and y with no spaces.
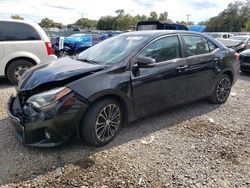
{"x":241,"y":46}
{"x":46,"y":98}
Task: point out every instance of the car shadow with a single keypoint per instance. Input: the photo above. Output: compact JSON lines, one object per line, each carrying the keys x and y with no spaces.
{"x":244,"y":76}
{"x":5,"y":83}
{"x":39,"y":161}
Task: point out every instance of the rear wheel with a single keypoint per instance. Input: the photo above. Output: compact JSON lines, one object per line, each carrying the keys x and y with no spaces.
{"x":222,"y":90}
{"x":16,"y":69}
{"x":101,"y":122}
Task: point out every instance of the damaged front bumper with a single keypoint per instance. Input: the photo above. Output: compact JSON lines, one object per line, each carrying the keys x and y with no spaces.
{"x":50,"y":128}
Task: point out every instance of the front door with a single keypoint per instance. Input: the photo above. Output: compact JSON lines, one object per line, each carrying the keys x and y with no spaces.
{"x":165,"y":84}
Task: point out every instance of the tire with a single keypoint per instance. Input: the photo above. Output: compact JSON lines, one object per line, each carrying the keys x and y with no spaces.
{"x":94,"y":122}
{"x":16,"y":69}
{"x":63,"y":53}
{"x":222,"y":90}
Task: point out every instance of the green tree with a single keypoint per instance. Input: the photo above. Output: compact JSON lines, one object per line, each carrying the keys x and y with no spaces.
{"x":232,"y":19}
{"x":123,"y":22}
{"x":106,"y":23}
{"x":17,"y":17}
{"x":163,"y":16}
{"x":46,"y":23}
{"x":86,"y":23}
{"x":120,"y":12}
{"x":153,"y":16}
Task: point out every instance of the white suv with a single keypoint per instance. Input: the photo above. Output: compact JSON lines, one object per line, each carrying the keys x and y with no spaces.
{"x":22,"y":45}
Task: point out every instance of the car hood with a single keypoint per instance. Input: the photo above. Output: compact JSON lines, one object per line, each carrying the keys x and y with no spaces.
{"x":230,"y":43}
{"x":58,"y":70}
{"x":245,"y":53}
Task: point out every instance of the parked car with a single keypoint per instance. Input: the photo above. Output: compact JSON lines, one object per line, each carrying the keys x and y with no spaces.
{"x":109,"y":34}
{"x":239,"y":42}
{"x":117,"y":81}
{"x":197,"y":28}
{"x":245,"y":61}
{"x":76,"y":43}
{"x":22,"y":45}
{"x":159,"y":25}
{"x":220,"y":35}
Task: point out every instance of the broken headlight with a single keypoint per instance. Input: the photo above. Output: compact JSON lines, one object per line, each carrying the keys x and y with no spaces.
{"x":49,"y":98}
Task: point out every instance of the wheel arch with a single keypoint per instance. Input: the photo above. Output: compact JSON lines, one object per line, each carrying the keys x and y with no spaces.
{"x":230,"y":74}
{"x":18,"y":58}
{"x":123,"y":102}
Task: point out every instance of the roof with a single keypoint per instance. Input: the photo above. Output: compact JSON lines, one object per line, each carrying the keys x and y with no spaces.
{"x":157,"y":32}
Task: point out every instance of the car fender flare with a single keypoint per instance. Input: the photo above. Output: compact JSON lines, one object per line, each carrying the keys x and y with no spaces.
{"x":125,"y":101}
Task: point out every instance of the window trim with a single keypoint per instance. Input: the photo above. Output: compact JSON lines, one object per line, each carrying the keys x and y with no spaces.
{"x":158,"y":38}
{"x":194,"y":35}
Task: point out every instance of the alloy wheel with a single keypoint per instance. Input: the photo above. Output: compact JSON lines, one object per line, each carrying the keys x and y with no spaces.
{"x":108,"y":122}
{"x":223,"y":89}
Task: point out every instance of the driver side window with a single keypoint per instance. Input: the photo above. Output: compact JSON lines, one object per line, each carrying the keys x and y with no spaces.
{"x":163,"y":49}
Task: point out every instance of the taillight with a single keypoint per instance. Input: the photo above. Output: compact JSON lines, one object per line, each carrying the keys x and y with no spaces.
{"x":237,"y":56}
{"x":49,"y":48}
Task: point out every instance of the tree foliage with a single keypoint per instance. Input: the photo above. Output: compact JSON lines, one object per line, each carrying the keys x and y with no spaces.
{"x":232,"y":19}
{"x":17,"y":17}
{"x":46,"y":23}
{"x":163,"y":16}
{"x":86,"y":23}
{"x":124,"y":21}
{"x":153,"y":16}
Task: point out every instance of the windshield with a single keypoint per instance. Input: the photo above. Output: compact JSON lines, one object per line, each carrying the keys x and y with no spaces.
{"x":240,"y":38}
{"x":146,"y":27}
{"x":113,"y":50}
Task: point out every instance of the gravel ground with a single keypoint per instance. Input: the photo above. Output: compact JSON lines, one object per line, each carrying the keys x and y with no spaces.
{"x":181,"y":147}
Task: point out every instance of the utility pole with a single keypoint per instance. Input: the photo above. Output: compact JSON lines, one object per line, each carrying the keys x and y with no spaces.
{"x":188,"y":15}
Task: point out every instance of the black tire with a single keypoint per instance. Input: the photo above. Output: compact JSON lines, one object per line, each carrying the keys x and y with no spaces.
{"x":222,"y":90}
{"x":14,"y":66}
{"x":63,"y":53}
{"x":89,"y":127}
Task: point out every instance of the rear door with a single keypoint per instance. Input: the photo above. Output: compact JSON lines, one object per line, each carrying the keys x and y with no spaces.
{"x":165,"y":84}
{"x":201,"y":61}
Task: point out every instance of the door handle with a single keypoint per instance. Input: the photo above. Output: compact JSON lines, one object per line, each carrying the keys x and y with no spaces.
{"x":182,"y":68}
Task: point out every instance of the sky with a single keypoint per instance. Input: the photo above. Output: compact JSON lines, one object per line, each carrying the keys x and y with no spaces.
{"x":68,"y":11}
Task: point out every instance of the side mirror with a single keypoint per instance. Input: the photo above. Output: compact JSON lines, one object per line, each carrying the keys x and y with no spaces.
{"x":145,"y":62}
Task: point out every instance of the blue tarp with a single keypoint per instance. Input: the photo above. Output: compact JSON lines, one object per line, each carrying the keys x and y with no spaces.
{"x":197,"y":28}
{"x":82,"y":40}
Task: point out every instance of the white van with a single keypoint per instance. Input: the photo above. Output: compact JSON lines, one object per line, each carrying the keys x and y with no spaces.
{"x":22,"y":45}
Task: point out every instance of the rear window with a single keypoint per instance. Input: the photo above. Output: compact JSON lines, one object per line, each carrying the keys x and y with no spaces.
{"x":146,"y":27}
{"x":11,"y":31}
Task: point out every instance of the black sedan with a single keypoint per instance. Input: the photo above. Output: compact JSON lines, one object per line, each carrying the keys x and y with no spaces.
{"x":117,"y":81}
{"x":245,"y":61}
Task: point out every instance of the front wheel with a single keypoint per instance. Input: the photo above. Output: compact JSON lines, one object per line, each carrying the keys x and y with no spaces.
{"x":101,"y":122}
{"x":222,"y":90}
